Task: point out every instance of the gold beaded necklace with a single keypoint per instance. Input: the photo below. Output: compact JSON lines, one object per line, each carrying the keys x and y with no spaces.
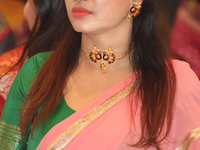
{"x":107,"y":55}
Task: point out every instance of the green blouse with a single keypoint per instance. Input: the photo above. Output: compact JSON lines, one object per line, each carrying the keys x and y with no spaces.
{"x":9,"y":124}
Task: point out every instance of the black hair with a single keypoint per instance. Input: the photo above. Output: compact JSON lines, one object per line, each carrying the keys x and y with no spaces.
{"x":51,"y":16}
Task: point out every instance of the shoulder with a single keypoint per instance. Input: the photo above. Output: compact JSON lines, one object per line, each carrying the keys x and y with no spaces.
{"x":29,"y":70}
{"x":188,"y":84}
{"x":37,"y":61}
{"x":187,"y":80}
{"x":42,"y":57}
{"x":182,"y":69}
{"x":32,"y":66}
{"x":26,"y":74}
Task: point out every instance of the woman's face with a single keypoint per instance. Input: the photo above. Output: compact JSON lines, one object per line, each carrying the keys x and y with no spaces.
{"x":97,"y":16}
{"x":30,"y":13}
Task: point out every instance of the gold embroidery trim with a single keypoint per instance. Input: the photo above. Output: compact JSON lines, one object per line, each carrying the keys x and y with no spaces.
{"x":10,"y":131}
{"x":191,"y":137}
{"x":76,"y":128}
{"x":14,"y":127}
{"x":10,"y":136}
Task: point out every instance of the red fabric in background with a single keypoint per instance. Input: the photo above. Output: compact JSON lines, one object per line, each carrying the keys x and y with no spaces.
{"x":185,"y":43}
{"x":2,"y":101}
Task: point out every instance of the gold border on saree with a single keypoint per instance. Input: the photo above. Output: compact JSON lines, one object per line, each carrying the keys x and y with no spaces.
{"x":76,"y":128}
{"x":10,"y":136}
{"x":8,"y":125}
{"x":10,"y":131}
{"x":191,"y":137}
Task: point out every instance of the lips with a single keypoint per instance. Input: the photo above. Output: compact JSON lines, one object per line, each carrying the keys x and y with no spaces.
{"x":80,"y":12}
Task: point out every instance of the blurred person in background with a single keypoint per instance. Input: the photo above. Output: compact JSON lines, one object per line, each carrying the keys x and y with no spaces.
{"x":46,"y":22}
{"x":7,"y":41}
{"x":185,"y":36}
{"x":21,"y":33}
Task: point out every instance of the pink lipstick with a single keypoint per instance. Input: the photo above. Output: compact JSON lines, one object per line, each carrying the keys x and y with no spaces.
{"x":80,"y":12}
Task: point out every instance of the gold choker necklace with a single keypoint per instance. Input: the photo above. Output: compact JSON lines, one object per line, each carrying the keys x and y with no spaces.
{"x":107,"y":55}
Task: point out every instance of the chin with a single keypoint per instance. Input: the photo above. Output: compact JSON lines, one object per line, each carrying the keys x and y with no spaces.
{"x":83,"y":29}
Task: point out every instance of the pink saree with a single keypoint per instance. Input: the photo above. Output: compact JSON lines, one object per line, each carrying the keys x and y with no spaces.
{"x":104,"y":124}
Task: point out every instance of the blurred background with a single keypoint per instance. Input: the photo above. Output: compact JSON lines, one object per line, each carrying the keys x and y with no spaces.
{"x":13,"y":10}
{"x":13,"y":27}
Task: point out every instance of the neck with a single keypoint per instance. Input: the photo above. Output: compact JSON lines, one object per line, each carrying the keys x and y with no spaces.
{"x":119,"y":43}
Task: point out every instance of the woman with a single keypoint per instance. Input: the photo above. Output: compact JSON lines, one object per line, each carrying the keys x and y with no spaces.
{"x":45,"y":20}
{"x":185,"y":37}
{"x":109,"y":84}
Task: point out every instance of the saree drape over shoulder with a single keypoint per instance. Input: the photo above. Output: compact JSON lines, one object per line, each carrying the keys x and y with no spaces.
{"x":103,"y":124}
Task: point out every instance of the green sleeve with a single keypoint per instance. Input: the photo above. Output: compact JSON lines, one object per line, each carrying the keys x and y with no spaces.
{"x":10,"y":135}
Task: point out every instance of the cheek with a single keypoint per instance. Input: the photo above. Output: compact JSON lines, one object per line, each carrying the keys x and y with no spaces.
{"x":113,"y":8}
{"x":30,"y":14}
{"x":67,"y":4}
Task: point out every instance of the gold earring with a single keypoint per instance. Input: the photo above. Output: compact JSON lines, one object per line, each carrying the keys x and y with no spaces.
{"x":134,"y":10}
{"x":129,"y":15}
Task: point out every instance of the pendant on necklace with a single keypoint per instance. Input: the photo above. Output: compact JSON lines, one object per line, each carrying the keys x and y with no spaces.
{"x":106,"y":55}
{"x":103,"y":66}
